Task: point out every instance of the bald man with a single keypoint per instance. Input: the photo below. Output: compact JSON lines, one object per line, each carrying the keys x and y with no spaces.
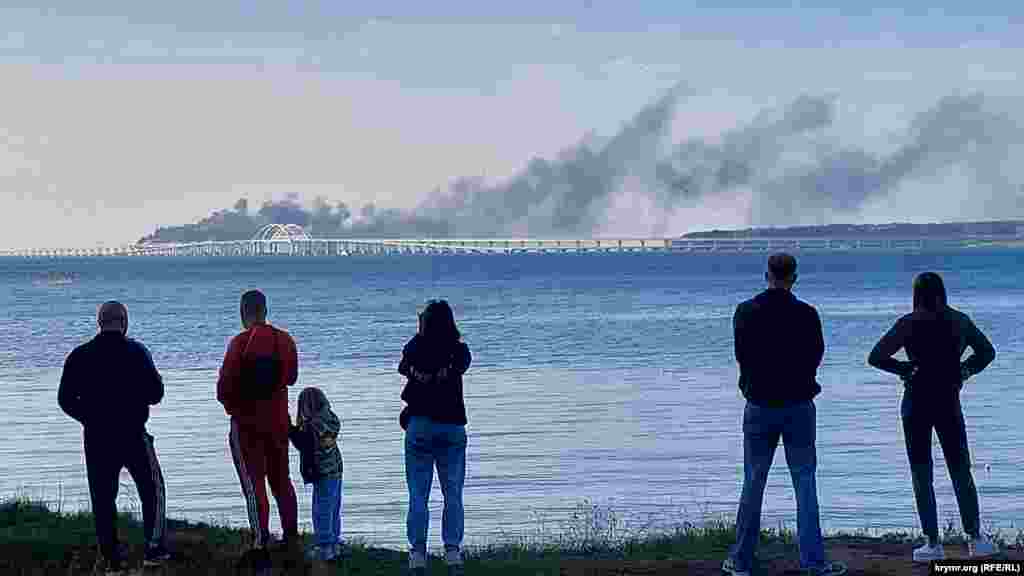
{"x":108,"y":385}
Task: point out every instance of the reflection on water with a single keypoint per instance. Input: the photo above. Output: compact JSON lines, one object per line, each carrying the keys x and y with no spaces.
{"x":609,"y":378}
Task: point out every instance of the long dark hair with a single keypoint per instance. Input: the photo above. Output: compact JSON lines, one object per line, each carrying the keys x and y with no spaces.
{"x":929,"y":292}
{"x":438,"y":323}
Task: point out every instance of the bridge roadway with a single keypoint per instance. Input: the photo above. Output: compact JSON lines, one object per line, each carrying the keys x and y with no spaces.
{"x":357,"y":246}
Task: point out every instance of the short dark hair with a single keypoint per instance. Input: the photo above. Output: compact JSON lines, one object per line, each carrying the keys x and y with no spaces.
{"x":929,"y":292}
{"x":112,"y":313}
{"x":782,"y":266}
{"x":254,"y":303}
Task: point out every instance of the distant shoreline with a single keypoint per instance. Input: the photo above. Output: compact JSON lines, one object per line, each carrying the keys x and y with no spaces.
{"x":1000,"y":230}
{"x":1012,"y":229}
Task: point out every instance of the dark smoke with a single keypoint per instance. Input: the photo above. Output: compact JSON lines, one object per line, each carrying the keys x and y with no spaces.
{"x":325,"y":220}
{"x":957,"y":132}
{"x":571,"y":195}
{"x":568,"y":196}
{"x":695,"y":169}
{"x":287,"y":211}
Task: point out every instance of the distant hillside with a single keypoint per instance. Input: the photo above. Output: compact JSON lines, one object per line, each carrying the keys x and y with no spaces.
{"x":1007,"y":228}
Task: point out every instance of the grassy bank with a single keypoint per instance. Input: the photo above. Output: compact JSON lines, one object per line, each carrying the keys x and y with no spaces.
{"x":36,"y":540}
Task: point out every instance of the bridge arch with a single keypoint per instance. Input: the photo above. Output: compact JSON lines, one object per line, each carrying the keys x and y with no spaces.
{"x":282,"y":233}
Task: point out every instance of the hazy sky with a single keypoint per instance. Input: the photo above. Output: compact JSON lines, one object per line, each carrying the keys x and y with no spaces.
{"x":118,"y":119}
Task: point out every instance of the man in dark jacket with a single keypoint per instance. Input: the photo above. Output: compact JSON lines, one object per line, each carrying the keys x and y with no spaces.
{"x":779,"y":346}
{"x":108,"y":385}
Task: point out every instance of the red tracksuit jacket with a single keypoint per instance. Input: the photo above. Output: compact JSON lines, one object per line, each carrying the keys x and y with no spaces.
{"x":258,"y":415}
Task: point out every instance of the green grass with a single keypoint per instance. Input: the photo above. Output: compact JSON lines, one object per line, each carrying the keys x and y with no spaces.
{"x":35,"y":539}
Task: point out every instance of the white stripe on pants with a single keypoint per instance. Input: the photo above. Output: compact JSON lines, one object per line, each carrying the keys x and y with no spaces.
{"x":160,"y":522}
{"x":248,"y":490}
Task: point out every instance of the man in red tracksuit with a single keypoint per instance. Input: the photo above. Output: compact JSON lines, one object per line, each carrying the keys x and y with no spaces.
{"x":260,"y":364}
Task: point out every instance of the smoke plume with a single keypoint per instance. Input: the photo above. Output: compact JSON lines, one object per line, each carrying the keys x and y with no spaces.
{"x":789,"y":162}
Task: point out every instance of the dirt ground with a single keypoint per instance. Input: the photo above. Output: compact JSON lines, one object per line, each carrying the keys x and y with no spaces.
{"x":863,"y":558}
{"x":196,"y":555}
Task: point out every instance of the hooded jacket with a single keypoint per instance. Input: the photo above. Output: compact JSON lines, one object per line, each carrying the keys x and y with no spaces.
{"x":317,"y":439}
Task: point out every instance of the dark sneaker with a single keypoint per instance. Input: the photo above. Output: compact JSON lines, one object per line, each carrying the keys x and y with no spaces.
{"x":289,"y":544}
{"x":729,"y":568}
{"x":417,"y":564}
{"x":108,"y":566}
{"x":981,"y":547}
{"x":456,"y":563}
{"x":261,"y":563}
{"x":317,"y":552}
{"x":830,"y":569}
{"x":155,"y":556}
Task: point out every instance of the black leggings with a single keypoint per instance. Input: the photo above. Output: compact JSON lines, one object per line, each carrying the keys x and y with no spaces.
{"x":920,"y":416}
{"x":105,"y":456}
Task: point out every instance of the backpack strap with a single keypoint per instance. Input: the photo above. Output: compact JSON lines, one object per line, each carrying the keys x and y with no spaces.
{"x":252,"y":333}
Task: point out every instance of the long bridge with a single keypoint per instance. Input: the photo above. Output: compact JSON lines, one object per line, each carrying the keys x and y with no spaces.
{"x":292,"y":240}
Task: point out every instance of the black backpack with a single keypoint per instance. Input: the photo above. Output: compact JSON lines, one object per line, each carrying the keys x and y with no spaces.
{"x":261,"y":374}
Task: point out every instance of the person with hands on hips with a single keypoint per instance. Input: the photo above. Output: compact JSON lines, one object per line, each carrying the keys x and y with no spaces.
{"x":935,"y":337}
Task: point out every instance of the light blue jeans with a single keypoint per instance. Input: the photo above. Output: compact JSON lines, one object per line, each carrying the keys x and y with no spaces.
{"x":327,"y":516}
{"x":762,"y":428}
{"x":429,"y":444}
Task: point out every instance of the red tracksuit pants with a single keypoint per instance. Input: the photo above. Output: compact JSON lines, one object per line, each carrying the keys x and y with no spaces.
{"x":261,"y":457}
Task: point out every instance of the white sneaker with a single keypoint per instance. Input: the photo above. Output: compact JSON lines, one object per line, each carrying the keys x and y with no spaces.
{"x":927,"y":553}
{"x":729,"y":567}
{"x":980,"y":547}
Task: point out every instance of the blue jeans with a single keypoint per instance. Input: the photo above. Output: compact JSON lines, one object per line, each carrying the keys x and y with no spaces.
{"x":327,"y":515}
{"x":429,"y":443}
{"x":762,"y":428}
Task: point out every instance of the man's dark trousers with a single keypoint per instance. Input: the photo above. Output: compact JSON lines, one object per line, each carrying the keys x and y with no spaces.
{"x":106,"y":454}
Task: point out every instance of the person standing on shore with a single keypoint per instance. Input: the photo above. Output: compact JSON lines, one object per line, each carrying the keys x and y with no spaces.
{"x":935,"y":337}
{"x":260,"y":364}
{"x":316,"y":434}
{"x":433,"y":362}
{"x":108,"y":385}
{"x":779,"y":346}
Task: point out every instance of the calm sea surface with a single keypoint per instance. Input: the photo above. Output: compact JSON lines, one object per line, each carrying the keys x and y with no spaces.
{"x":601,"y":377}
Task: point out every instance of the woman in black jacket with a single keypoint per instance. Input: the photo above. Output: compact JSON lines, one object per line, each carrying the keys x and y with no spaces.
{"x":935,"y":337}
{"x":433,"y":362}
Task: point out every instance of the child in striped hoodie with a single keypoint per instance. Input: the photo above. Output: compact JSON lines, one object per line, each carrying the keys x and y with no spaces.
{"x":315,"y":436}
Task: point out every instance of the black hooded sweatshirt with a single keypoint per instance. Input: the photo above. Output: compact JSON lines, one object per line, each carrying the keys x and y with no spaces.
{"x":109,"y":383}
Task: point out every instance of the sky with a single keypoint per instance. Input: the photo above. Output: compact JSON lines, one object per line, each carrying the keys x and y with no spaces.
{"x":117,"y":118}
